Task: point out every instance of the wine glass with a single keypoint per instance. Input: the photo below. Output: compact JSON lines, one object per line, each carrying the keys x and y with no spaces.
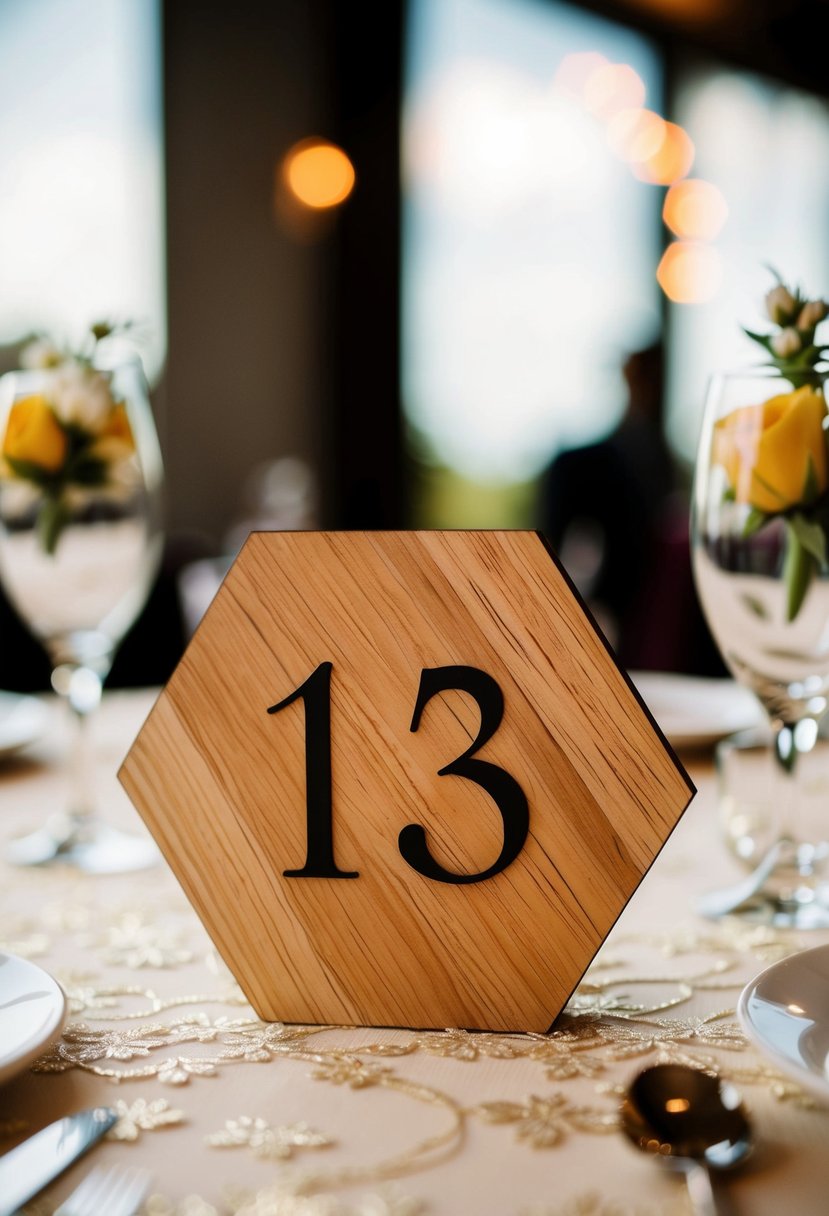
{"x":760,"y":570}
{"x":80,"y":545}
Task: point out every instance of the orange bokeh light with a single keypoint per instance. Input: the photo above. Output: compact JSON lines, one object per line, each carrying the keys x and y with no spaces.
{"x":689,"y":273}
{"x":635,"y":135}
{"x":611,"y":88}
{"x":576,"y":69}
{"x":318,"y":173}
{"x":695,"y":209}
{"x":672,"y":159}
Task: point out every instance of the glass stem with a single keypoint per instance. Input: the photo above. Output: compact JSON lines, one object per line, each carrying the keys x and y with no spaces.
{"x":83,"y":695}
{"x":793,"y":741}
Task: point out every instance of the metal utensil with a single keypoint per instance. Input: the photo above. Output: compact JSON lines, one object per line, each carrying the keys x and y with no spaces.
{"x":117,"y":1192}
{"x":27,"y":1169}
{"x":690,"y":1120}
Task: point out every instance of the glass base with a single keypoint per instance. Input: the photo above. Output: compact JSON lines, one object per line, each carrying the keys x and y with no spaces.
{"x":86,"y":844}
{"x":767,"y":909}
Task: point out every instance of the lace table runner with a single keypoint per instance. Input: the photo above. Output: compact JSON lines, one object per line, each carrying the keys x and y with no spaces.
{"x":235,"y":1117}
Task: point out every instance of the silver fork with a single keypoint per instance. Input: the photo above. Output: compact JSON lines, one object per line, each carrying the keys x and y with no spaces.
{"x":117,"y":1191}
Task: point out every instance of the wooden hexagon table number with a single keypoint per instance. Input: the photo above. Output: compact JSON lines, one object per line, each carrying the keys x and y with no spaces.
{"x":402,"y":779}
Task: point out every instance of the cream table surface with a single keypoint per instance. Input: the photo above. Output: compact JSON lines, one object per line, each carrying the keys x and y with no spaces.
{"x":235,"y":1116}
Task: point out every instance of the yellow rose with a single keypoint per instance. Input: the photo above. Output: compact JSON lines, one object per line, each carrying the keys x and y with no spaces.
{"x":115,"y":440}
{"x":767,"y":450}
{"x":34,"y":435}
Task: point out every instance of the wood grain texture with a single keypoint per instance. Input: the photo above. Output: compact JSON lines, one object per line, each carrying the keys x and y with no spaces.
{"x":221,"y":783}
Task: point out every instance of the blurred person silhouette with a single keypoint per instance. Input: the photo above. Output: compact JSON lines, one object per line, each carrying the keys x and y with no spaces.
{"x":612,"y":512}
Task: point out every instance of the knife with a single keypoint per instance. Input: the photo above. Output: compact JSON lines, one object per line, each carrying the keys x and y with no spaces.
{"x":25,"y":1170}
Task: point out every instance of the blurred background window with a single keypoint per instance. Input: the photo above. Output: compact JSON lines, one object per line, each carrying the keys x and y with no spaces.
{"x":535,"y":256}
{"x":81,"y":193}
{"x":536,"y":191}
{"x":529,"y":247}
{"x":766,"y":146}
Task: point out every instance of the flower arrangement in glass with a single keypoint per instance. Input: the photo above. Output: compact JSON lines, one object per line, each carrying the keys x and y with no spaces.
{"x":70,"y":435}
{"x":759,"y":528}
{"x":774,"y":452}
{"x":80,"y":543}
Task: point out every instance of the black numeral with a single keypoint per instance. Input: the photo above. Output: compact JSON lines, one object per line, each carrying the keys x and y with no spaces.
{"x":502,"y":788}
{"x":316,"y":694}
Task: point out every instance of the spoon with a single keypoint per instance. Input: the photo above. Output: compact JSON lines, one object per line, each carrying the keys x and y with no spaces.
{"x":692,"y":1121}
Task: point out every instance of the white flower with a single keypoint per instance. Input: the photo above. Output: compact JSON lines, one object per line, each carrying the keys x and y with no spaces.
{"x":39,"y":354}
{"x":780,"y":304}
{"x":81,"y":396}
{"x":786,"y":343}
{"x":811,"y":314}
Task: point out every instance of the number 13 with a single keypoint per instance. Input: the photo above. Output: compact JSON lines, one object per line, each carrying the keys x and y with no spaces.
{"x":501,"y":786}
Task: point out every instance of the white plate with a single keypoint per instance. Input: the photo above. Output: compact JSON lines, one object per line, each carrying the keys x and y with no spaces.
{"x":785,"y":1010}
{"x":32,"y":1013}
{"x":696,"y":712}
{"x":22,"y":720}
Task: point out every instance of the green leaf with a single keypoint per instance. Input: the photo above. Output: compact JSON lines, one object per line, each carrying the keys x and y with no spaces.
{"x":78,"y":436}
{"x":811,"y":488}
{"x":754,"y":521}
{"x":756,"y":606}
{"x":86,"y":470}
{"x":810,"y":535}
{"x":729,"y":494}
{"x":805,"y":358}
{"x":799,"y":379}
{"x":799,"y":568}
{"x":52,"y":517}
{"x":763,"y":339}
{"x":29,"y":471}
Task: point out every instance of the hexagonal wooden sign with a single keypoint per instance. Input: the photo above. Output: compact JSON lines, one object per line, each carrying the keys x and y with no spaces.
{"x":402,"y":779}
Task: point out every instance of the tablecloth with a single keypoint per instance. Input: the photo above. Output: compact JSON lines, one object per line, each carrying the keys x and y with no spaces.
{"x":237,"y":1117}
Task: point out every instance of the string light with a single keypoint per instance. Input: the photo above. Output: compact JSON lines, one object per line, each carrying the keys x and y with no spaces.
{"x":318,"y":173}
{"x":695,"y":209}
{"x":635,"y":134}
{"x":671,"y":161}
{"x":613,"y":87}
{"x":660,"y":153}
{"x":576,"y":69}
{"x":689,"y":272}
